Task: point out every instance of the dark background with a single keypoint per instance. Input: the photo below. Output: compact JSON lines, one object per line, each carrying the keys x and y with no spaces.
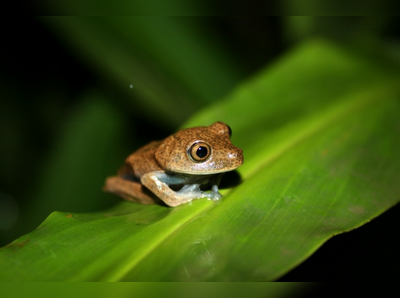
{"x":42,"y":82}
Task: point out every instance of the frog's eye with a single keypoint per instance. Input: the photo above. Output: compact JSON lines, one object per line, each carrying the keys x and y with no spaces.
{"x":199,"y":151}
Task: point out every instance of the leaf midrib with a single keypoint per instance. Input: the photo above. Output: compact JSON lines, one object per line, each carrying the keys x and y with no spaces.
{"x":160,"y":231}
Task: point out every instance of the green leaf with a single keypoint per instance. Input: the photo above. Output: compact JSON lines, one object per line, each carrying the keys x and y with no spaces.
{"x":319,"y":130}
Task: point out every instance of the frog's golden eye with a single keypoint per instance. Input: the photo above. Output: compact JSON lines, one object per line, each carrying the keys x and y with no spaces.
{"x":199,"y":151}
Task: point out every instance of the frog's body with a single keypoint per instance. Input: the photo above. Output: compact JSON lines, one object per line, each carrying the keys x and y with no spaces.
{"x":189,"y":158}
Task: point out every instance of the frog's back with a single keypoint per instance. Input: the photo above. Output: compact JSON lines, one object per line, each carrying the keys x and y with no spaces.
{"x":143,"y":161}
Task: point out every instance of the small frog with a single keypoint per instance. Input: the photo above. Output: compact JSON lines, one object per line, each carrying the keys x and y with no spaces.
{"x":174,"y":169}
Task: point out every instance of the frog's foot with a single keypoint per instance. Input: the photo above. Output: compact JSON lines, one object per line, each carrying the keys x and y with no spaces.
{"x":215,"y":194}
{"x":155,"y":182}
{"x":190,"y":192}
{"x":193,"y":191}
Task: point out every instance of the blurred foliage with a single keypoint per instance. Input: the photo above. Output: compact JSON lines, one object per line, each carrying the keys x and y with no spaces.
{"x":144,"y":77}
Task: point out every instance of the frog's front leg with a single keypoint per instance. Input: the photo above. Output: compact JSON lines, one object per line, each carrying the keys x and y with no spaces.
{"x":158,"y":183}
{"x":214,"y":187}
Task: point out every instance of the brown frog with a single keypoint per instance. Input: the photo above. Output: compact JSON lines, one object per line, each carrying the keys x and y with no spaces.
{"x":175,"y":168}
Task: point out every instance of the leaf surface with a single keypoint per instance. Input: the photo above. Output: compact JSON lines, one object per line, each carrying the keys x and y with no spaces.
{"x":319,"y":130}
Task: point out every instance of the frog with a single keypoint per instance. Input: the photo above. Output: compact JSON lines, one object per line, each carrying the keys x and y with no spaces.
{"x":176,"y":169}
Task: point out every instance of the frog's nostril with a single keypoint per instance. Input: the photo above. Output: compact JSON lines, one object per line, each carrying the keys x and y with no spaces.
{"x":232,"y":155}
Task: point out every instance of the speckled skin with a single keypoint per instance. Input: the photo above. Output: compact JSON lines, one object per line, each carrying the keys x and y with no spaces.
{"x":169,"y":162}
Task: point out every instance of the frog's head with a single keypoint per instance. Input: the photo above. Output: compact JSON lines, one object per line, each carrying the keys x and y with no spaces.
{"x":200,"y":150}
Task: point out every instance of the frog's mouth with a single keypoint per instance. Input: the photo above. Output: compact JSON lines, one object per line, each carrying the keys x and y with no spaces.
{"x":203,"y":170}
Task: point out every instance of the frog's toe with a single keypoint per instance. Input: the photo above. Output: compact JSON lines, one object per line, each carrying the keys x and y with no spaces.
{"x":215,"y":196}
{"x":189,"y":189}
{"x":207,"y":195}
